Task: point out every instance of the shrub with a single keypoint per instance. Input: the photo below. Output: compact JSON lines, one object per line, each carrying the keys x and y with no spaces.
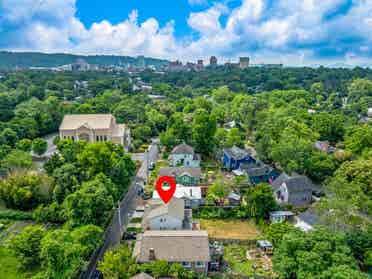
{"x":39,"y":146}
{"x":15,"y":215}
{"x":25,"y":190}
{"x":26,"y":245}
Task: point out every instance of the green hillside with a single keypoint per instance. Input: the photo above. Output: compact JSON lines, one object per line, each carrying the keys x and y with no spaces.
{"x":10,"y":60}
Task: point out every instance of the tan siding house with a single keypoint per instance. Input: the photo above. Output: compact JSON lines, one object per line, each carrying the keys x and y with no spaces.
{"x":95,"y":128}
{"x":186,"y":247}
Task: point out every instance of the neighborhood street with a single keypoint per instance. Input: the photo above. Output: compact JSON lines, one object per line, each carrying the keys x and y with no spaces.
{"x":125,"y":208}
{"x":146,"y":158}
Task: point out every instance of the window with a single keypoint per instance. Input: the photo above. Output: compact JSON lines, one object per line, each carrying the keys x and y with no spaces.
{"x":199,"y":264}
{"x":105,"y":138}
{"x":186,"y":264}
{"x":97,"y":138}
{"x":73,"y":138}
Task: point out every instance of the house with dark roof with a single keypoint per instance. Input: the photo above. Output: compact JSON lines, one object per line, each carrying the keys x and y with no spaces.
{"x":308,"y":219}
{"x":233,"y":157}
{"x":296,"y":189}
{"x":234,"y":199}
{"x":183,"y":175}
{"x":190,"y":248}
{"x":184,"y":155}
{"x":259,"y":172}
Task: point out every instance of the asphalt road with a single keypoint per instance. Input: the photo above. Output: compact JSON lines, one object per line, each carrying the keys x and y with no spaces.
{"x":125,"y":208}
{"x":146,"y":158}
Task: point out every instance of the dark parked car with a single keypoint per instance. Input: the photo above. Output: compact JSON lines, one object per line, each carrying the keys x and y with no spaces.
{"x":151,"y":166}
{"x":130,"y":236}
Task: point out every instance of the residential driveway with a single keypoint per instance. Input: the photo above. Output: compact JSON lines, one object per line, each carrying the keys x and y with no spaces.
{"x":52,"y":148}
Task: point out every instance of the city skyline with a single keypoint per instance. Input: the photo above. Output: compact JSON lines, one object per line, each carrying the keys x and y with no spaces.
{"x":334,"y":32}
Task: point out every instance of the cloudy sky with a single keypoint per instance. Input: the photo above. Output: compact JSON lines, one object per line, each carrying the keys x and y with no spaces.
{"x":293,"y":32}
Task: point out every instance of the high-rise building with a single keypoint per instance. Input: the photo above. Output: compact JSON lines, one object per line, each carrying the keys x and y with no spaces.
{"x":213,"y":61}
{"x":141,"y":61}
{"x":243,"y":62}
{"x":200,"y":65}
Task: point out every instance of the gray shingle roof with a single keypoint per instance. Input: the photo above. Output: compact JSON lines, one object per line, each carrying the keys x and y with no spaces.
{"x":183,"y":149}
{"x":175,"y":208}
{"x":258,"y":169}
{"x":173,"y":246}
{"x":236,"y":153}
{"x":279,"y":180}
{"x":178,"y":171}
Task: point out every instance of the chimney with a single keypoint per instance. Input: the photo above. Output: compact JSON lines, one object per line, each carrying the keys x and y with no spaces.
{"x":152,"y":254}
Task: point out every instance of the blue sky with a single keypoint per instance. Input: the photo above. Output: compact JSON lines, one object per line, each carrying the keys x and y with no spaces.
{"x":293,"y":32}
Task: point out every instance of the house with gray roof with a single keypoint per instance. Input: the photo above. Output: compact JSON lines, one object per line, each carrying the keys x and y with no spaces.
{"x":160,"y":216}
{"x":190,"y":248}
{"x":259,"y":172}
{"x":184,"y":155}
{"x":296,"y":189}
{"x":233,"y":157}
{"x":183,"y":175}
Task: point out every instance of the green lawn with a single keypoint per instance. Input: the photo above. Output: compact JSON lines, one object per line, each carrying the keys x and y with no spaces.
{"x":2,"y":205}
{"x":10,"y":266}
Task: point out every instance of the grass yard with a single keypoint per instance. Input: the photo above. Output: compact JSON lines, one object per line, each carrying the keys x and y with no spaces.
{"x":230,"y":229}
{"x":2,"y":205}
{"x":10,"y":266}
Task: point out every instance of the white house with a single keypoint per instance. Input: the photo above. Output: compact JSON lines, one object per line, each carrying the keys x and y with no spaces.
{"x":190,"y":194}
{"x":296,"y":190}
{"x":184,"y":155}
{"x":159,"y":216}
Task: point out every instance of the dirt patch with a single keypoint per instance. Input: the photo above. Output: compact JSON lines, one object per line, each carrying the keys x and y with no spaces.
{"x":230,"y":229}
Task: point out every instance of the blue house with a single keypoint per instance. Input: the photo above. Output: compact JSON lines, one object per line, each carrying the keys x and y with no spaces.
{"x":259,"y":172}
{"x":233,"y":157}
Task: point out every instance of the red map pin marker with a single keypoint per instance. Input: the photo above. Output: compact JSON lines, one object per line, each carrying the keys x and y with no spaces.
{"x":166,"y":195}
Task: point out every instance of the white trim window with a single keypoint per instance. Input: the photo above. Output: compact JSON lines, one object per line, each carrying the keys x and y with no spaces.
{"x":186,"y":264}
{"x":200,"y":264}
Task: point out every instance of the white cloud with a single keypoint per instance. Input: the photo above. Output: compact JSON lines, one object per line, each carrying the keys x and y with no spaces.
{"x":198,"y":2}
{"x":292,"y":32}
{"x":207,"y":22}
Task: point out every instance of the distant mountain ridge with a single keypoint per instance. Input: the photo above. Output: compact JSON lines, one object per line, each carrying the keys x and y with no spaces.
{"x":11,"y":60}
